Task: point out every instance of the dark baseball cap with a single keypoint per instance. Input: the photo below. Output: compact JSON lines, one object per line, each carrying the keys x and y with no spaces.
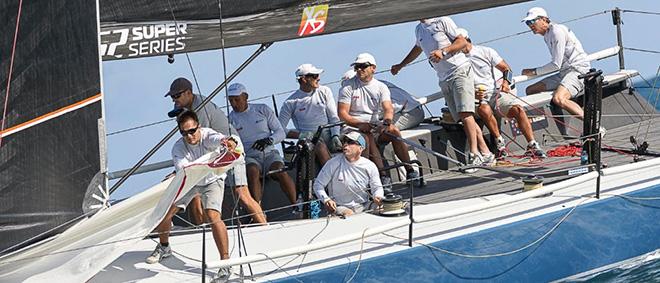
{"x":179,"y":85}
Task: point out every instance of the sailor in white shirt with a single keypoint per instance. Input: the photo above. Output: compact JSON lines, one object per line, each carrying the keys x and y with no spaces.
{"x":195,"y":143}
{"x":311,"y":106}
{"x":348,"y":177}
{"x":442,"y":44}
{"x":493,"y":79}
{"x":259,"y":129}
{"x":363,"y":101}
{"x":567,"y":56}
{"x":211,"y":116}
{"x":408,"y":112}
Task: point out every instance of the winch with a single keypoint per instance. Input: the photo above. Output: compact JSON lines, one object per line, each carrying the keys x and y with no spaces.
{"x":393,"y":206}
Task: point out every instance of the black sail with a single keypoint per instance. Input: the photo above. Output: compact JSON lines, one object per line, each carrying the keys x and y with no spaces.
{"x":140,"y":28}
{"x":49,"y":152}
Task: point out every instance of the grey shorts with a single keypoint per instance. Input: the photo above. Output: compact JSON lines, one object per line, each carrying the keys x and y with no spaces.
{"x":264,"y":160}
{"x":568,"y":79}
{"x":237,"y":176}
{"x":409,"y":119}
{"x":460,"y":84}
{"x":501,"y":102}
{"x":326,"y":136}
{"x":212,"y":196}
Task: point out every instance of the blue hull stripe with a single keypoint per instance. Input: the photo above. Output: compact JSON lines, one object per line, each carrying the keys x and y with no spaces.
{"x":594,"y":235}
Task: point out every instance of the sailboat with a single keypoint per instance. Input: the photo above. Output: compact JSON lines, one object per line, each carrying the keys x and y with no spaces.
{"x":58,"y":224}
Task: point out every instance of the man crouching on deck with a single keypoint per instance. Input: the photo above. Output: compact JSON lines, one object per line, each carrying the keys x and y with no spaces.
{"x":349,"y":176}
{"x":195,"y":143}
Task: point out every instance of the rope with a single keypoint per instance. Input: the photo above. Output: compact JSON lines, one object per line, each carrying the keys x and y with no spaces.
{"x":540,"y":239}
{"x":11,"y":68}
{"x":192,"y":70}
{"x":565,"y":151}
{"x":359,"y":258}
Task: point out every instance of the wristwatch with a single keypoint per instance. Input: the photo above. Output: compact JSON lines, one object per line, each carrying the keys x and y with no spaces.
{"x":444,"y":53}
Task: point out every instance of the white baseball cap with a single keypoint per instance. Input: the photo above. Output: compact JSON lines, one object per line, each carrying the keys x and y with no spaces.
{"x":348,"y":75}
{"x":236,"y":89}
{"x":363,"y":58}
{"x":463,"y":32}
{"x":534,"y":13}
{"x":307,"y":69}
{"x":357,"y":137}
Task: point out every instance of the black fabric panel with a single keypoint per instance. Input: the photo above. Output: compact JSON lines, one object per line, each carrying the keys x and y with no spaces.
{"x":45,"y":169}
{"x":249,"y":22}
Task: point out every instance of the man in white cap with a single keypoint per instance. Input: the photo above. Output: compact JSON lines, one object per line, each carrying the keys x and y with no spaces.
{"x":363,"y":101}
{"x":212,"y":116}
{"x":348,"y":177}
{"x":495,"y":90}
{"x":259,"y":129}
{"x":442,"y":44}
{"x":567,"y":56}
{"x":408,"y":112}
{"x":311,"y":106}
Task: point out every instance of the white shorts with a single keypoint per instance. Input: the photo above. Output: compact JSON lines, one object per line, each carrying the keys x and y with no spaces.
{"x":459,"y":90}
{"x":409,"y":119}
{"x":502,"y":102}
{"x":237,"y":176}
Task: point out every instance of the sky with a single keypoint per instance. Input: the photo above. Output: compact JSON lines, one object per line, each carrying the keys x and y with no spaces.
{"x":133,"y":89}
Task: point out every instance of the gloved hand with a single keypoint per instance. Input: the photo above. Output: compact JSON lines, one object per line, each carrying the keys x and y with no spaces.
{"x":305,"y":135}
{"x":335,"y":144}
{"x":261,"y":144}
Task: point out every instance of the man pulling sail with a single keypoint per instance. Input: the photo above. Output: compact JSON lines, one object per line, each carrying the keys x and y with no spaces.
{"x":195,"y":142}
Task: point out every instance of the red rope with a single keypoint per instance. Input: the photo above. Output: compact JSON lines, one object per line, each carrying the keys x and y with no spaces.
{"x":11,"y":68}
{"x":565,"y":150}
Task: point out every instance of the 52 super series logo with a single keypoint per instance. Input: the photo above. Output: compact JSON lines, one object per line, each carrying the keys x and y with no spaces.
{"x":143,"y":40}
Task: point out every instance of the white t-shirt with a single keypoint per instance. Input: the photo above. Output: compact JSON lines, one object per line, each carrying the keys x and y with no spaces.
{"x":255,"y":123}
{"x":184,"y":153}
{"x":310,"y":110}
{"x":437,"y":33}
{"x":483,"y":60}
{"x":565,"y":49}
{"x":347,"y":182}
{"x":365,"y":99}
{"x":402,"y":101}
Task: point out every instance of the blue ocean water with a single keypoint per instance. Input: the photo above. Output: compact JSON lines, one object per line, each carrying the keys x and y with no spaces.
{"x":645,"y":268}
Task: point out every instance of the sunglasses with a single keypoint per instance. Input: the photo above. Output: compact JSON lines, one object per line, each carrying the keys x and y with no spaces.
{"x":531,"y":22}
{"x":312,"y":76}
{"x":189,"y":132}
{"x":361,"y":66}
{"x":177,"y":95}
{"x":350,"y":141}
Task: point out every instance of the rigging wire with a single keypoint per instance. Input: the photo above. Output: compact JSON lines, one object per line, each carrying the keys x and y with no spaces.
{"x":641,"y":12}
{"x":11,"y":68}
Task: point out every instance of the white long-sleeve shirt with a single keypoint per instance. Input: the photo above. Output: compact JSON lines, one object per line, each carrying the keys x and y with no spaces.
{"x":255,"y":123}
{"x":347,"y":182}
{"x":437,"y":33}
{"x":310,"y":110}
{"x":565,"y":49}
{"x":184,"y":153}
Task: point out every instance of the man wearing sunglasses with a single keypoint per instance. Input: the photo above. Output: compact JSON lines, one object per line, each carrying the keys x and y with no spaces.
{"x":311,"y":106}
{"x":348,"y":177}
{"x":363,"y":101}
{"x":195,"y":142}
{"x":212,"y":116}
{"x":567,"y":56}
{"x":496,"y":93}
{"x":259,"y":130}
{"x":442,"y":44}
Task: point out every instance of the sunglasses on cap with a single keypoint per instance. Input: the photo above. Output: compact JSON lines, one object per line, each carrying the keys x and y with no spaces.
{"x":177,"y":95}
{"x":531,"y":22}
{"x":189,"y":132}
{"x":361,"y":66}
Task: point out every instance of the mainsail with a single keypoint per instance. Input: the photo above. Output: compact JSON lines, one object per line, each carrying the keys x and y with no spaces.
{"x":140,"y":28}
{"x":50,"y":100}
